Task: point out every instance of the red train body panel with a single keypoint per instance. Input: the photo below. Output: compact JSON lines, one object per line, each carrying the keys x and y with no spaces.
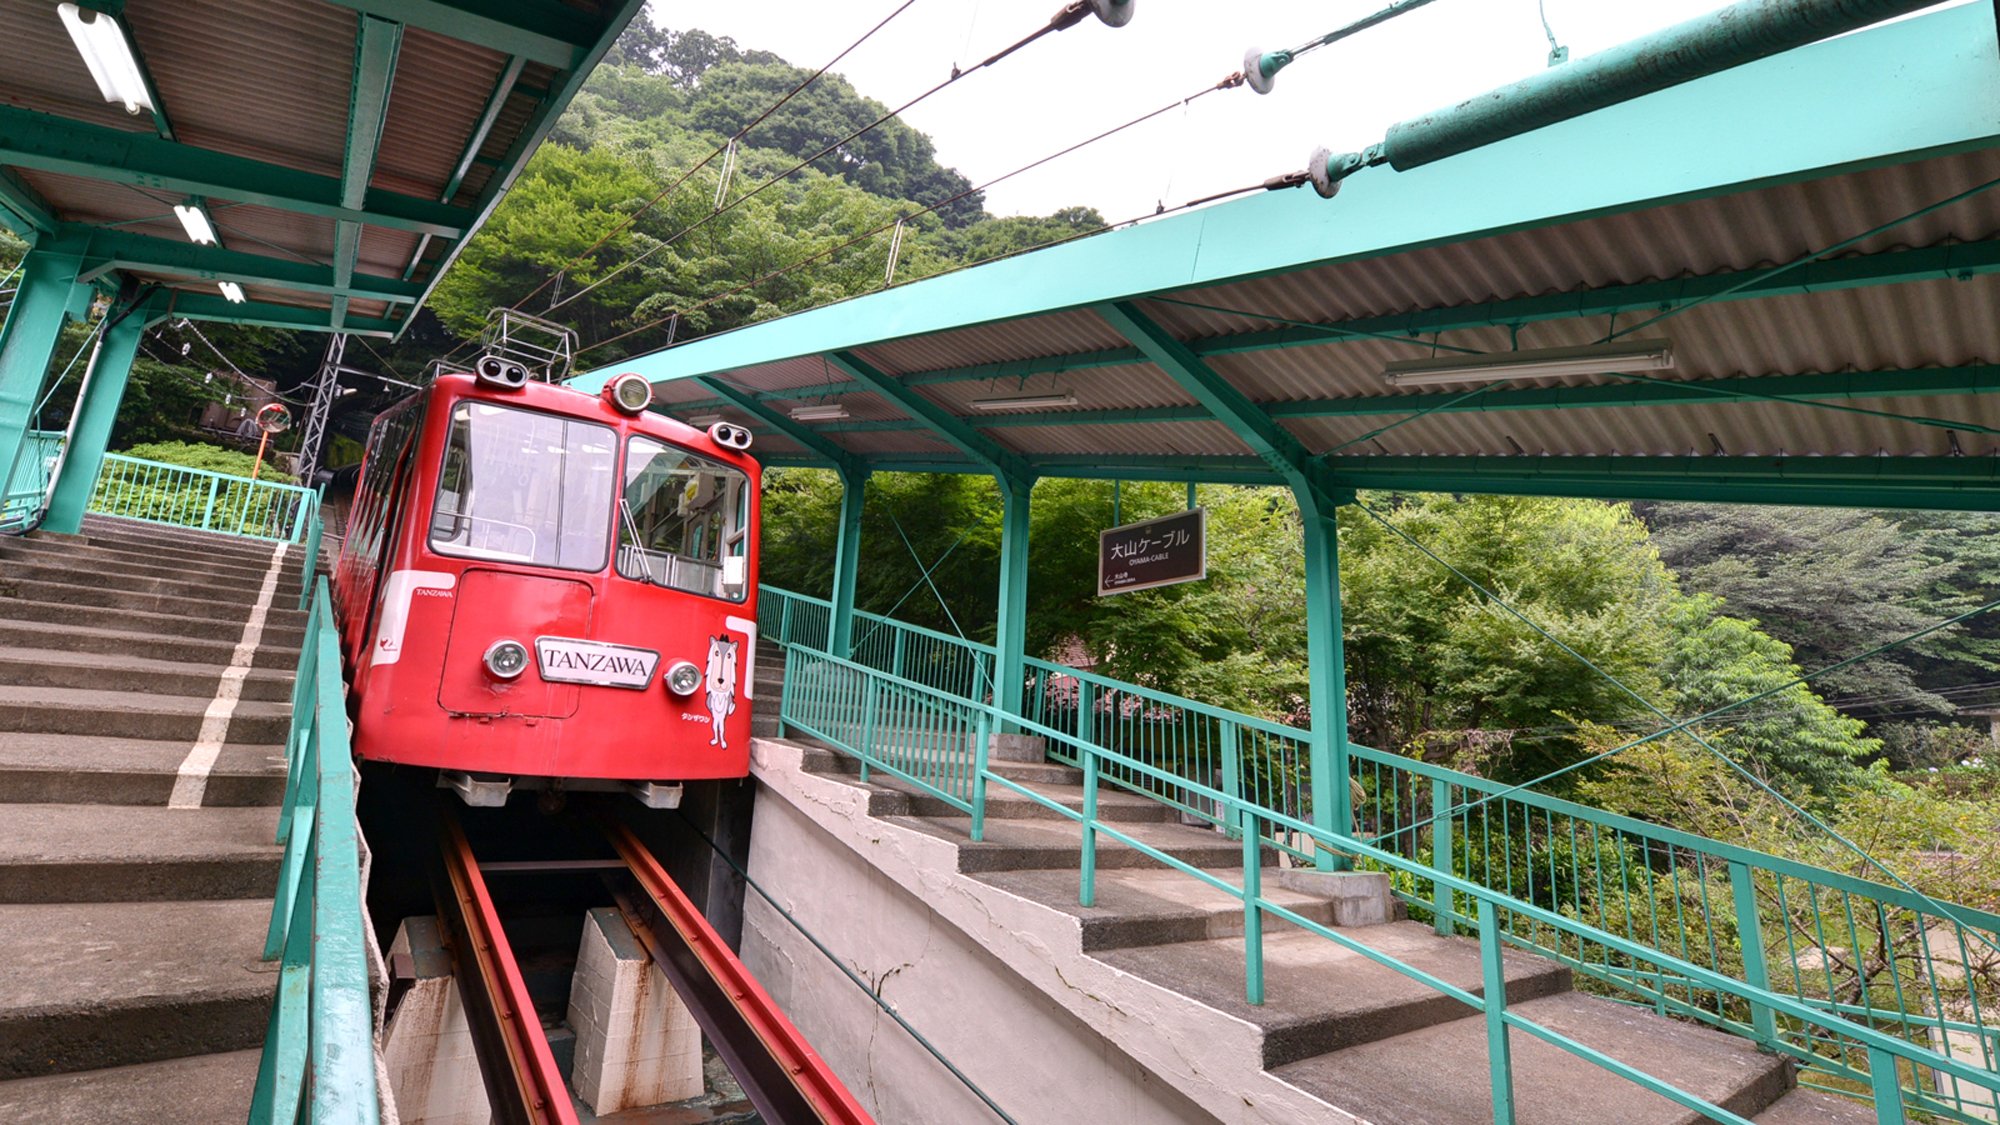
{"x":612,"y":547}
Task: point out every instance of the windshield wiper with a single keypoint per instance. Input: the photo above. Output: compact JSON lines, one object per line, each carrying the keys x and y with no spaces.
{"x":632,"y":529}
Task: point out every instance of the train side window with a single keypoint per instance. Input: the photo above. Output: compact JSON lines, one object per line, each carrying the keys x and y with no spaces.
{"x":523,"y":487}
{"x":682,"y":521}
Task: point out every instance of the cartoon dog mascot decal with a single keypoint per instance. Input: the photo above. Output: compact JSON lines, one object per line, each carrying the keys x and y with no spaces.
{"x":721,"y":686}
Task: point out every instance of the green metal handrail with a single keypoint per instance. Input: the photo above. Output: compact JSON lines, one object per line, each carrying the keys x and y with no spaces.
{"x":28,"y":486}
{"x":936,"y":741}
{"x":926,"y":656}
{"x":157,"y":492}
{"x":319,"y":1049}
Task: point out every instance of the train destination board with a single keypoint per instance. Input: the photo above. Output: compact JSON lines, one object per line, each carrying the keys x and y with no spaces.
{"x":1156,"y":552}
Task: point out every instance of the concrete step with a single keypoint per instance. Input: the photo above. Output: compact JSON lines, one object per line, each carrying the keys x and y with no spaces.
{"x":279,"y":632}
{"x":1320,"y":997}
{"x":44,"y":710}
{"x":53,"y":853}
{"x":1810,"y":1107}
{"x":282,"y":614}
{"x":1039,"y":845}
{"x":163,"y":536}
{"x":223,"y":589}
{"x":88,"y":769}
{"x":198,"y":1090}
{"x":1438,"y":1075}
{"x":91,"y":986}
{"x":27,"y":667}
{"x":67,"y":636}
{"x":35,"y":551}
{"x":1154,"y":906}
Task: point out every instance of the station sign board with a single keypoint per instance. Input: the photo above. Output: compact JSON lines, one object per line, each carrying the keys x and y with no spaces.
{"x":1155,"y":552}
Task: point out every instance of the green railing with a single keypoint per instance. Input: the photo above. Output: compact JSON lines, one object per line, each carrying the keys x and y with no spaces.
{"x":28,"y":487}
{"x":1881,"y":992}
{"x":319,"y":1050}
{"x":185,"y":497}
{"x":951,"y":664}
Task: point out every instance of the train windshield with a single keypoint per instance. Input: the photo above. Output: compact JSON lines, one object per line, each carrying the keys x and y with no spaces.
{"x":683,"y":520}
{"x":524,"y":487}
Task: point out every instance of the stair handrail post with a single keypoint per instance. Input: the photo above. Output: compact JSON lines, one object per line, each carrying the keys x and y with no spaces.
{"x":1229,"y":737}
{"x":1750,"y":936}
{"x":896,"y":660}
{"x":1442,"y":906}
{"x":982,"y":727}
{"x":310,"y":567}
{"x":208,"y":511}
{"x":867,"y":740}
{"x":1253,"y":907}
{"x":1499,"y":1054}
{"x":1886,"y":1086}
{"x":1087,"y":881}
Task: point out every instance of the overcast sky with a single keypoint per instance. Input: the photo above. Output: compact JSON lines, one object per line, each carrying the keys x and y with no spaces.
{"x":1077,"y":83}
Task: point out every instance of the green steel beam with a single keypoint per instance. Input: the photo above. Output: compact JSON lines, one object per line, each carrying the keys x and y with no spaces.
{"x":376,"y":44}
{"x":827,"y":450}
{"x":110,"y":249}
{"x":56,"y":144}
{"x":846,"y":562}
{"x":1023,"y":368}
{"x":202,"y":306}
{"x":22,"y":208}
{"x":102,"y":389}
{"x":1270,"y":441}
{"x":611,"y":21}
{"x":1008,"y":465}
{"x":1976,"y":379}
{"x":542,"y":31}
{"x":495,"y":102}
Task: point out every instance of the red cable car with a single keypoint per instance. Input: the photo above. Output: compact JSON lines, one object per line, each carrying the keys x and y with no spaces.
{"x":550,"y":586}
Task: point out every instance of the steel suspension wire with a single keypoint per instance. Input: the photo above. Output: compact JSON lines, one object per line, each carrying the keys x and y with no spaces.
{"x":1226,"y":83}
{"x":1069,"y":16}
{"x":1686,"y":726}
{"x":729,"y":145}
{"x":887,"y":1009}
{"x":1360,"y":25}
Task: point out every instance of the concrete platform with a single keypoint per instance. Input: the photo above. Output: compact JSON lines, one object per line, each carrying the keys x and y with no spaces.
{"x":1017,"y":845}
{"x":93,"y":853}
{"x":88,"y":769}
{"x":1439,"y":1076}
{"x":1810,"y":1107}
{"x":96,"y":985}
{"x":202,"y":1090}
{"x":1152,"y":905}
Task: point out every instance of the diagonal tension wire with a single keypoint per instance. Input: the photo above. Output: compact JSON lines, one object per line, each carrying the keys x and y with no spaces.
{"x":1069,"y":16}
{"x":1686,"y":725}
{"x":1333,"y":329}
{"x":1792,"y":400}
{"x":1232,"y":80}
{"x":739,"y":135}
{"x":1808,"y":259}
{"x":1360,"y":25}
{"x":887,"y":1008}
{"x":914,"y":587}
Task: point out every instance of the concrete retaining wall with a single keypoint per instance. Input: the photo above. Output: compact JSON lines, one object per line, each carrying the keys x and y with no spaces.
{"x":1039,"y":1062}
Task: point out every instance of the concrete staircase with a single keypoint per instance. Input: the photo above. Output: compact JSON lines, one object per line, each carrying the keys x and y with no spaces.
{"x":1348,"y":1033}
{"x":132,"y":931}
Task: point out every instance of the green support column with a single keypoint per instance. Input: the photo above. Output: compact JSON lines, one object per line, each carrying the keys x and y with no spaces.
{"x":46,"y":298}
{"x":1332,"y":800}
{"x":846,"y":560}
{"x":90,"y":427}
{"x":1011,"y":637}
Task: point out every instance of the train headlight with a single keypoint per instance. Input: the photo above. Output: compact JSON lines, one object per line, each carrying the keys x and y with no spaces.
{"x":496,"y":371}
{"x":734,"y":437}
{"x":683,"y":678}
{"x":506,"y":659}
{"x":629,"y":393}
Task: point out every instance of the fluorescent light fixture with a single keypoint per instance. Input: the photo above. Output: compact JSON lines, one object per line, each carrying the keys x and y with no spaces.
{"x":704,"y":421}
{"x":101,"y":42}
{"x":1542,"y":363}
{"x":824,"y":413}
{"x":194,"y":220}
{"x":1024,"y":402}
{"x":231,"y":290}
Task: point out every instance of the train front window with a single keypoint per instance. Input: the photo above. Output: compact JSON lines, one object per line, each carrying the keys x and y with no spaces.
{"x":683,"y":521}
{"x":522,"y":487}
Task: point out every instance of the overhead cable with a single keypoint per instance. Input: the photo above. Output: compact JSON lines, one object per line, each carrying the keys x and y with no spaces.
{"x":1069,"y":16}
{"x":1260,"y":68}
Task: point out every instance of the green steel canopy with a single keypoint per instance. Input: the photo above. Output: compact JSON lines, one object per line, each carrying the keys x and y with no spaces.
{"x":343,"y":149}
{"x":1247,"y":341}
